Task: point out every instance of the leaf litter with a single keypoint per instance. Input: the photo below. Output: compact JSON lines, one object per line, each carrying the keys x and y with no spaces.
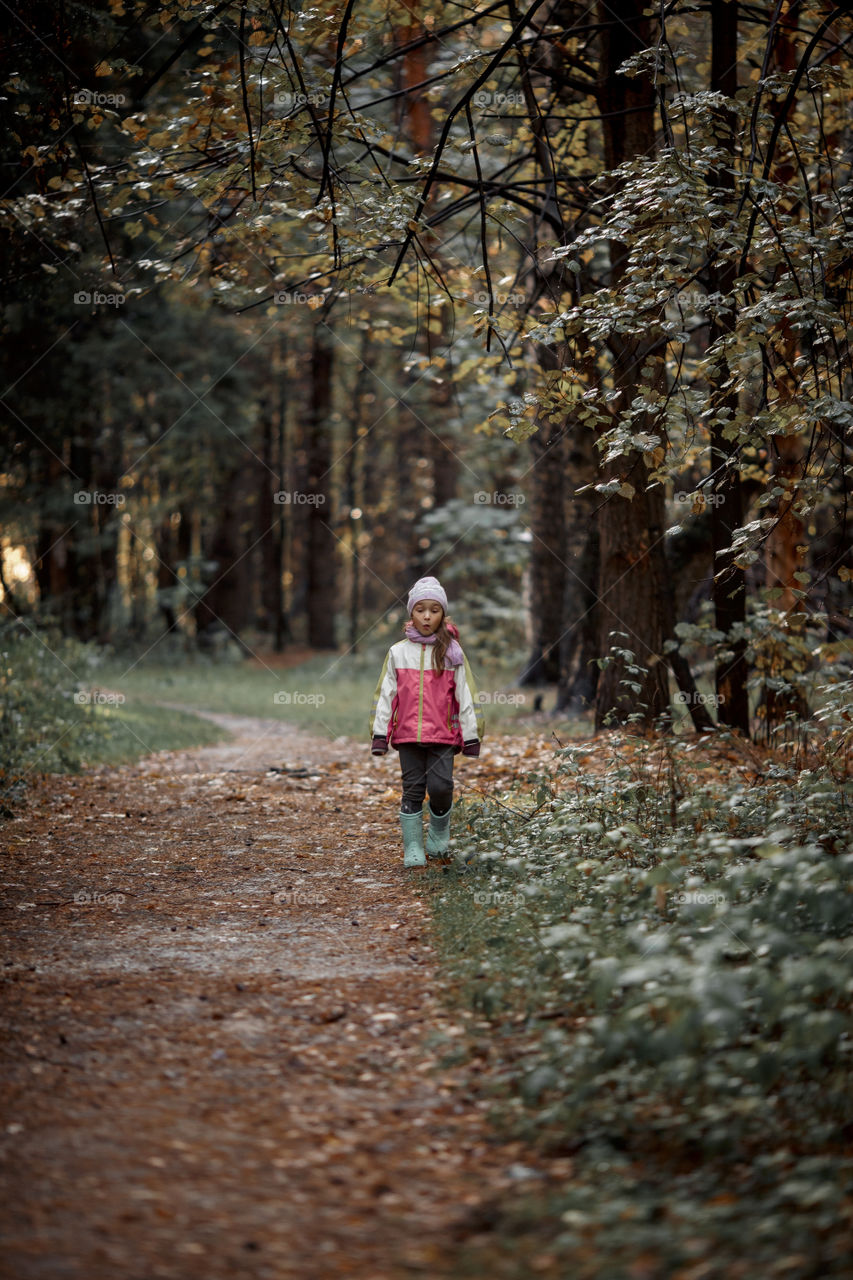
{"x":224,"y":1039}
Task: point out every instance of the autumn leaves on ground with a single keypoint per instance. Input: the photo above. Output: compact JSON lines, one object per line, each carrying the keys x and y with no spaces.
{"x":225,"y":1039}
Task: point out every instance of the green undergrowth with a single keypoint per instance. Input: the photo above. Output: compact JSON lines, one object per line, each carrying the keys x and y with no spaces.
{"x":654,"y":966}
{"x":57,"y":714}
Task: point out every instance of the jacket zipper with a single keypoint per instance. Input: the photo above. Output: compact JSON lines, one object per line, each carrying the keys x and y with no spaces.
{"x":421,"y":694}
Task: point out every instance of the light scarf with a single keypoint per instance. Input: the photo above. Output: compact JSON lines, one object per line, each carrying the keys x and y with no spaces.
{"x":454,"y":655}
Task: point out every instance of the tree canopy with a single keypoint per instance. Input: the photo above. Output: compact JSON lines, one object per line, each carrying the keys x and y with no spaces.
{"x":390,"y":263}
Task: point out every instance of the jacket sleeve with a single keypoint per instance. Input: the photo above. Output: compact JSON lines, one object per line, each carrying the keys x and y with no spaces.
{"x":470,"y":714}
{"x":383,"y":697}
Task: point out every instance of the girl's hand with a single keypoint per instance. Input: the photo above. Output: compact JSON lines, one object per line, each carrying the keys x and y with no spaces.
{"x":379,"y":746}
{"x":471,"y":748}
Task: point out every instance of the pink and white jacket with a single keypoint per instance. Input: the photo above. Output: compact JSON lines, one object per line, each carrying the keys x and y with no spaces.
{"x":415,"y":703}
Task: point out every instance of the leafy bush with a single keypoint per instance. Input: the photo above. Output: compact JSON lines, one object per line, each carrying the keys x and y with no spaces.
{"x":663,"y":960}
{"x":42,"y":728}
{"x":796,"y":671}
{"x":51,"y":722}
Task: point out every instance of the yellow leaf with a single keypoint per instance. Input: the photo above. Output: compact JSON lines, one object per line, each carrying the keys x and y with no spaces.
{"x":103,"y":69}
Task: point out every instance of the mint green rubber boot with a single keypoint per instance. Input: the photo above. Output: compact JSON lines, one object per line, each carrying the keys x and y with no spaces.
{"x":412,"y":825}
{"x":438,"y":833}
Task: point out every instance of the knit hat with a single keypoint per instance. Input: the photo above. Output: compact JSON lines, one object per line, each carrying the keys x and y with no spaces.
{"x":427,"y":589}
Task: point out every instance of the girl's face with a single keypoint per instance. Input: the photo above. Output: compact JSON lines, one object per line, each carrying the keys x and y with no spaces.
{"x":427,"y":616}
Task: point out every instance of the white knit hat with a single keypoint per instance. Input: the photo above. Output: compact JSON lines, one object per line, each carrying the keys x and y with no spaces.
{"x":427,"y":589}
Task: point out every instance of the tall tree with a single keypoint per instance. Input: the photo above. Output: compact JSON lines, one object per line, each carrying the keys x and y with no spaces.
{"x":548,"y":572}
{"x":320,"y":546}
{"x":727,"y":510}
{"x":631,"y":521}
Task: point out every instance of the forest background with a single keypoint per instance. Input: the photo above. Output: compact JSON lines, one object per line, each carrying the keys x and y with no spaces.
{"x":553,"y":302}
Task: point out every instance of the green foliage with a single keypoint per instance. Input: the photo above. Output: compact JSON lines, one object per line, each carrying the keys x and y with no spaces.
{"x":791,"y":661}
{"x":662,"y":961}
{"x":55,"y":716}
{"x":41,"y":727}
{"x":271,"y":177}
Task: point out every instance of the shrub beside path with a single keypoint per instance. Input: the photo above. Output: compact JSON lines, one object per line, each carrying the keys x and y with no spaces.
{"x":222,"y":1031}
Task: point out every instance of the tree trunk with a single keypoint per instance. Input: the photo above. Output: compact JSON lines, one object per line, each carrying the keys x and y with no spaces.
{"x":440,"y":445}
{"x":631,"y":565}
{"x":270,"y":483}
{"x":689,"y":573}
{"x":411,"y":482}
{"x":224,"y":604}
{"x":380,"y":469}
{"x":321,"y":547}
{"x":168,"y":578}
{"x":785,"y":550}
{"x":727,"y":512}
{"x":547,"y":555}
{"x":579,"y":642}
{"x":353,"y":495}
{"x":50,"y":561}
{"x":631,"y":591}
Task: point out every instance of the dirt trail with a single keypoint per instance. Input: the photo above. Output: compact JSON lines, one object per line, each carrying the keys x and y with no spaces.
{"x":221,"y":1027}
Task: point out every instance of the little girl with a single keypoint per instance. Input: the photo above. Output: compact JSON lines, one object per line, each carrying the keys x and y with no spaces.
{"x":426,"y":710}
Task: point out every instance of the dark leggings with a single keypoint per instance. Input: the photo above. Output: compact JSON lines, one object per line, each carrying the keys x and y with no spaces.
{"x":426,"y":768}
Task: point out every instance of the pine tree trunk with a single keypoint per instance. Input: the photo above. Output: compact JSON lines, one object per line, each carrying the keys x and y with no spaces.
{"x":785,"y":550}
{"x":546,"y":520}
{"x":167,"y":573}
{"x":353,"y":486}
{"x":321,"y":544}
{"x":631,"y":565}
{"x":579,"y":642}
{"x":727,"y":512}
{"x":224,"y":605}
{"x":269,"y":523}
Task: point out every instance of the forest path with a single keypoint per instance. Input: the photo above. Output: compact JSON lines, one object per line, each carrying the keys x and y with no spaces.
{"x":221,"y":1027}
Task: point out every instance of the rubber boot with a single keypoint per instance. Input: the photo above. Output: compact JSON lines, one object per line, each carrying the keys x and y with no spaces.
{"x":412,"y":825}
{"x":438,"y":833}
